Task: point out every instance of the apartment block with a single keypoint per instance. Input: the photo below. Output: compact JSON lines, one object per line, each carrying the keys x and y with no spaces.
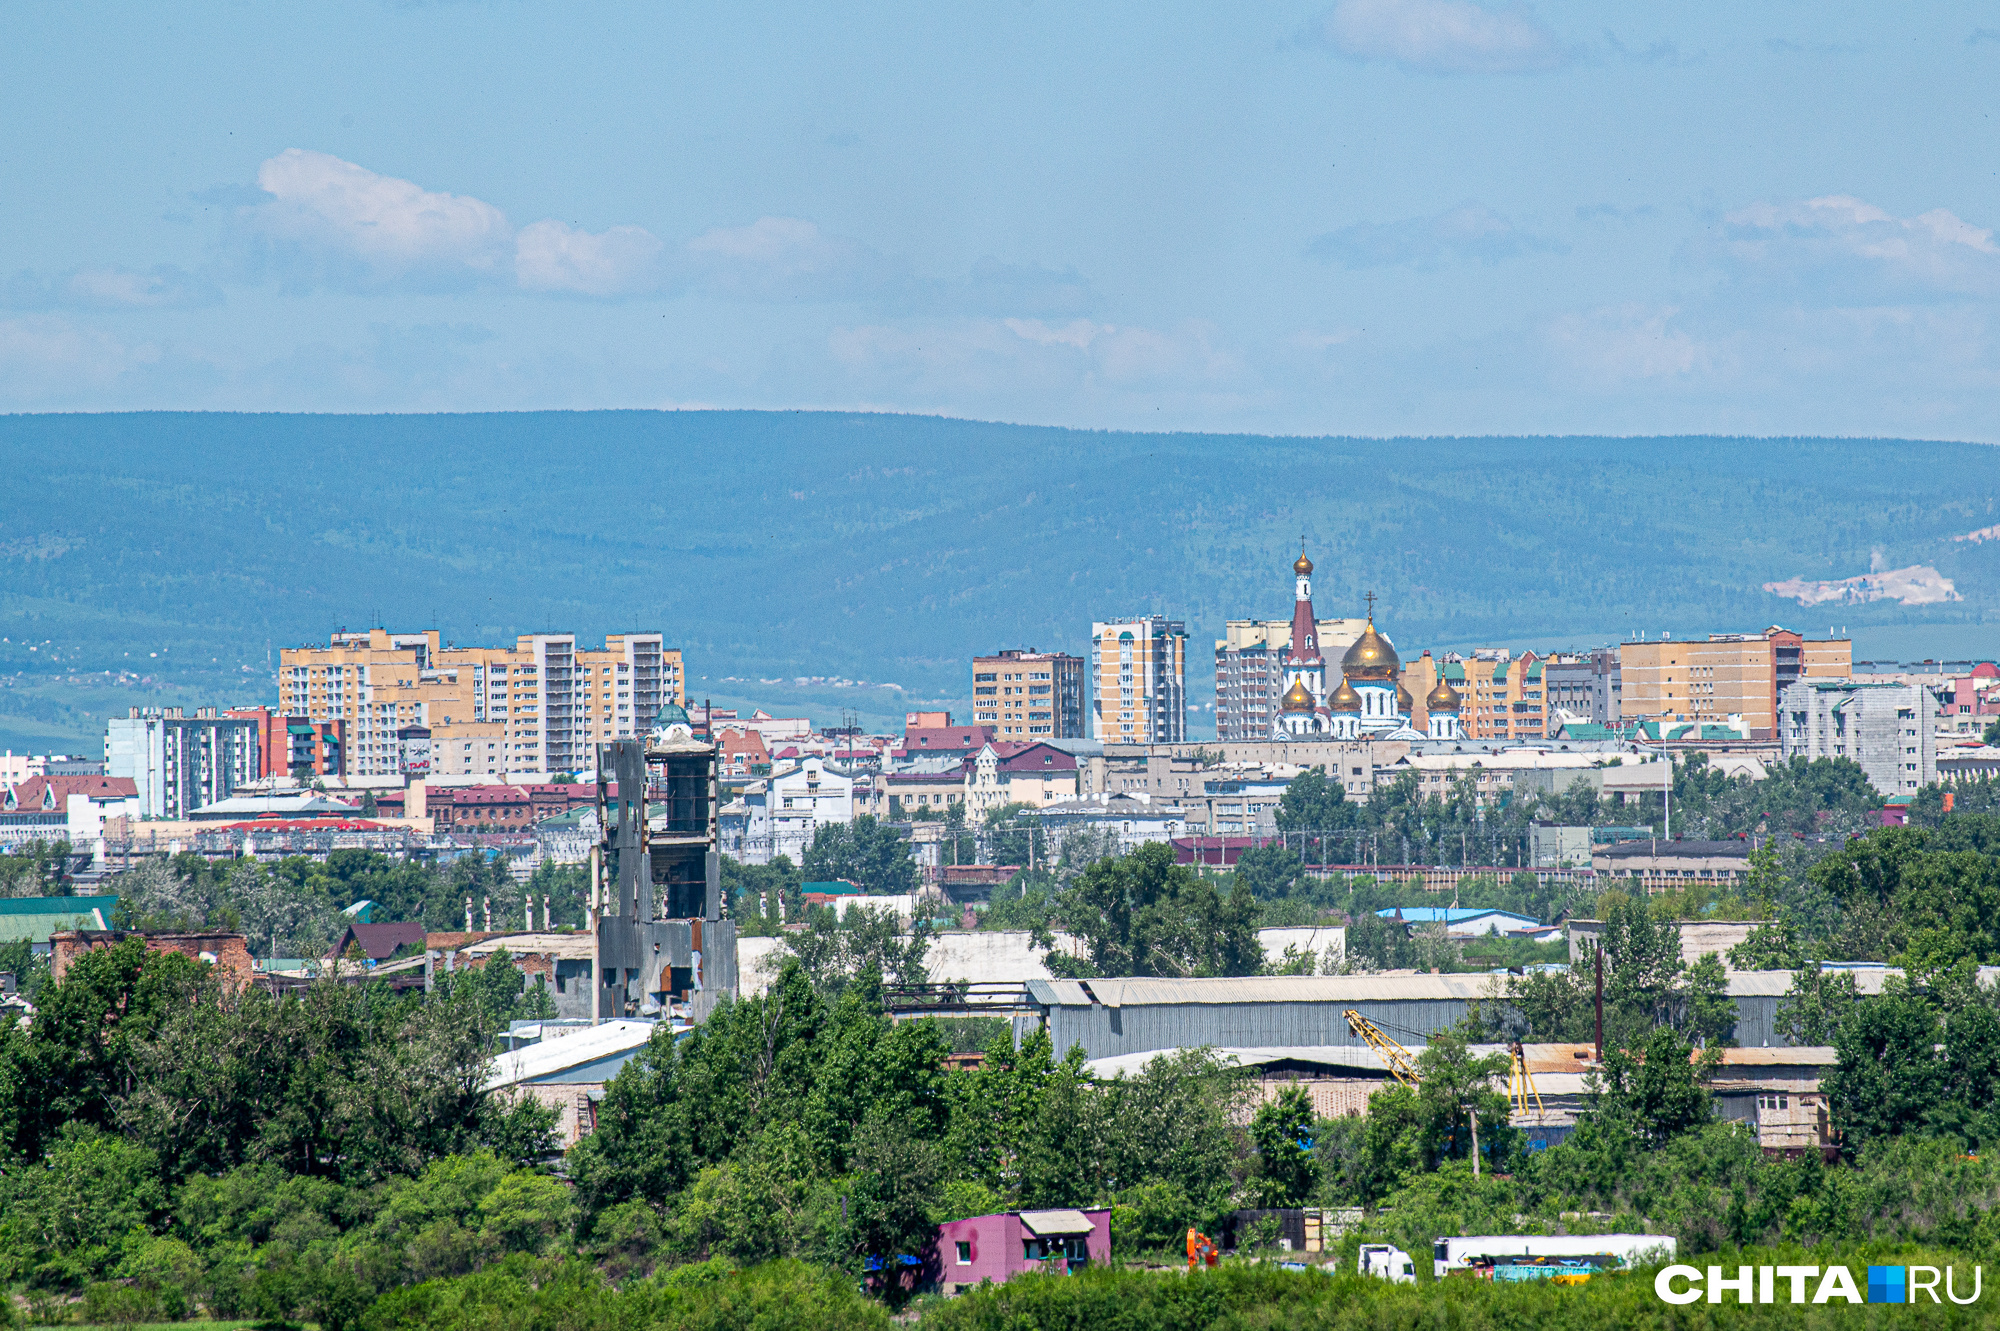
{"x":292,"y":746}
{"x":1029,"y":694}
{"x":1725,"y":675}
{"x":1584,"y":685}
{"x":1138,"y":681}
{"x":1887,"y":728}
{"x":1249,"y":680}
{"x":538,"y":706}
{"x":1500,"y":694}
{"x":177,"y":762}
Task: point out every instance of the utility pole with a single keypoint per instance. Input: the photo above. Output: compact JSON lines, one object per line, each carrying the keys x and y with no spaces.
{"x":1472,"y":1115}
{"x":1598,"y":950}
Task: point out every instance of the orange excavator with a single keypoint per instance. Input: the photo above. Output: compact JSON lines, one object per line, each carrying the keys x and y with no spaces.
{"x":1201,"y":1249}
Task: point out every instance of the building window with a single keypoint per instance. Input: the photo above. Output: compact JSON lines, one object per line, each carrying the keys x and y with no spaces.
{"x":964,"y":1251}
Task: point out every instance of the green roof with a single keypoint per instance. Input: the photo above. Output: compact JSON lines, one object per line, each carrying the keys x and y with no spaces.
{"x":1500,"y":673}
{"x":35,"y":918}
{"x":55,"y":905}
{"x":1454,"y":671}
{"x":1534,"y":670}
{"x":837,"y":888}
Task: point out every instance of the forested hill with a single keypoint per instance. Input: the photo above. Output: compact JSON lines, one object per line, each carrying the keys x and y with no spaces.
{"x":889,"y":548}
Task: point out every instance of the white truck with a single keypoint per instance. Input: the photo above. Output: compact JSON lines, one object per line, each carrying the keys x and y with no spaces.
{"x":1392,"y":1264}
{"x":1485,"y":1250}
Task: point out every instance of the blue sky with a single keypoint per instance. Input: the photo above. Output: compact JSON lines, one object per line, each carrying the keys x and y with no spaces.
{"x":1369,"y":216}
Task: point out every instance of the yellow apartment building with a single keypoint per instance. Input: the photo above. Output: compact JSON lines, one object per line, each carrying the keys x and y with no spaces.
{"x":1725,"y":674}
{"x":536,"y":707}
{"x":1138,"y":681}
{"x":1501,"y":695}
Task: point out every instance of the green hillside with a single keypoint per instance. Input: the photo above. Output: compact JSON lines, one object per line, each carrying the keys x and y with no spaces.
{"x":183,"y":548}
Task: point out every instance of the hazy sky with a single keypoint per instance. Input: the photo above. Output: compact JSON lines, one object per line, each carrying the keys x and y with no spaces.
{"x":1374,"y":216}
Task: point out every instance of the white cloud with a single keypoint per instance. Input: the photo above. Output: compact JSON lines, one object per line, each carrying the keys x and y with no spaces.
{"x":553,"y":256}
{"x":1469,"y":231}
{"x":47,"y":360}
{"x":1611,"y":347}
{"x":781,"y":258}
{"x":1843,"y":239}
{"x":1441,"y":36}
{"x":162,"y":287}
{"x":370,"y":229}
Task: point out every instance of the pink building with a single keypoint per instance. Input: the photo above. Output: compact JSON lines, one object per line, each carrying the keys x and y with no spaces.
{"x":1000,"y":1247}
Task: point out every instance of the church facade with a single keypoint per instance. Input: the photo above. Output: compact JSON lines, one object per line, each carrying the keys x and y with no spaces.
{"x":1369,"y":701}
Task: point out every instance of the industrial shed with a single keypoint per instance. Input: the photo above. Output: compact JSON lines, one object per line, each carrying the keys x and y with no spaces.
{"x":1131,"y":1016}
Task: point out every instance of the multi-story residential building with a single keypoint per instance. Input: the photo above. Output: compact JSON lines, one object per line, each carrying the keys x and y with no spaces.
{"x":1006,"y":772}
{"x":1887,"y":728}
{"x":1583,"y":685}
{"x":1250,"y":676}
{"x":1724,"y":675}
{"x":1029,"y":694}
{"x":785,"y":811}
{"x":1501,"y":695}
{"x":538,"y":706}
{"x":177,"y":763}
{"x":1138,"y":681}
{"x":295,"y":747}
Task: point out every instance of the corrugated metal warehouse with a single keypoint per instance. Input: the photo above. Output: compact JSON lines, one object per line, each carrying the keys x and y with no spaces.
{"x":1131,"y":1016}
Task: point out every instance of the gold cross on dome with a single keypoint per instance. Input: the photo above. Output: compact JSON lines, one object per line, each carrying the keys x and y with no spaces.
{"x":1370,"y":598}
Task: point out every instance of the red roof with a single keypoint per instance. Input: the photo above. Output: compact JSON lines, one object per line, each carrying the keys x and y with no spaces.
{"x":946,"y":739}
{"x":1032,"y":756}
{"x":30,"y":793}
{"x":269,"y":824}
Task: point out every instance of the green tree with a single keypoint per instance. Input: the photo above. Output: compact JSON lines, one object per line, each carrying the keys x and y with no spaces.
{"x":863,"y":852}
{"x":1282,"y":1131}
{"x":1313,"y":802}
{"x":1142,"y":914}
{"x":1658,"y":1091}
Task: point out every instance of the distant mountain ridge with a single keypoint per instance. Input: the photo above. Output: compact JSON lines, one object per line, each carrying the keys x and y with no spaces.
{"x":891,"y":548}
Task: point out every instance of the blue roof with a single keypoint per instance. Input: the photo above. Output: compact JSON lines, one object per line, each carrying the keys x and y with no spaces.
{"x":1451,"y":914}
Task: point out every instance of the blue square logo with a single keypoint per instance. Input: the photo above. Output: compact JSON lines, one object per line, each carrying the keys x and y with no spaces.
{"x":1885,"y":1284}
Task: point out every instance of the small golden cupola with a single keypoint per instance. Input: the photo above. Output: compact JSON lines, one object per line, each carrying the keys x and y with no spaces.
{"x":1296,"y":698}
{"x":1404,"y":702}
{"x":1443,"y":698}
{"x":1344,"y":699}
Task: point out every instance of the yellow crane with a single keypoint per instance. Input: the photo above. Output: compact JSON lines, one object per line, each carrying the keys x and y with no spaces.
{"x":1396,"y":1058}
{"x":1521,"y":1085}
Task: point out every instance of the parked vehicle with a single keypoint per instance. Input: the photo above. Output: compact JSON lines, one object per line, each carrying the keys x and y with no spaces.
{"x":1392,"y":1264}
{"x":1600,"y":1252}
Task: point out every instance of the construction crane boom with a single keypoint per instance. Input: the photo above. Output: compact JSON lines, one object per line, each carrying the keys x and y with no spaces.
{"x":1521,"y":1085}
{"x":1396,"y":1058}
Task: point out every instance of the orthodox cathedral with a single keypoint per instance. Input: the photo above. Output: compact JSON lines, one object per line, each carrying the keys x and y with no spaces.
{"x":1370,"y":701}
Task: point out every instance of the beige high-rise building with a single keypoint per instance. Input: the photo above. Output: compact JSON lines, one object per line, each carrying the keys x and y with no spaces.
{"x":1724,"y":675}
{"x":1028,"y":694}
{"x":538,"y":706}
{"x":1138,"y":681}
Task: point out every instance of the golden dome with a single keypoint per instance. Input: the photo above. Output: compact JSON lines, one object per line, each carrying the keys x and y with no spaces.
{"x":1344,"y":699}
{"x":1371,"y":656}
{"x":1302,"y":566}
{"x":1443,"y":698}
{"x":1404,"y":702}
{"x":1296,"y":698}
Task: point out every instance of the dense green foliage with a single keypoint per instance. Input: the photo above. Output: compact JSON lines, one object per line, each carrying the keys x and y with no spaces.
{"x":869,"y":854}
{"x":292,"y":907}
{"x":1142,"y":914}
